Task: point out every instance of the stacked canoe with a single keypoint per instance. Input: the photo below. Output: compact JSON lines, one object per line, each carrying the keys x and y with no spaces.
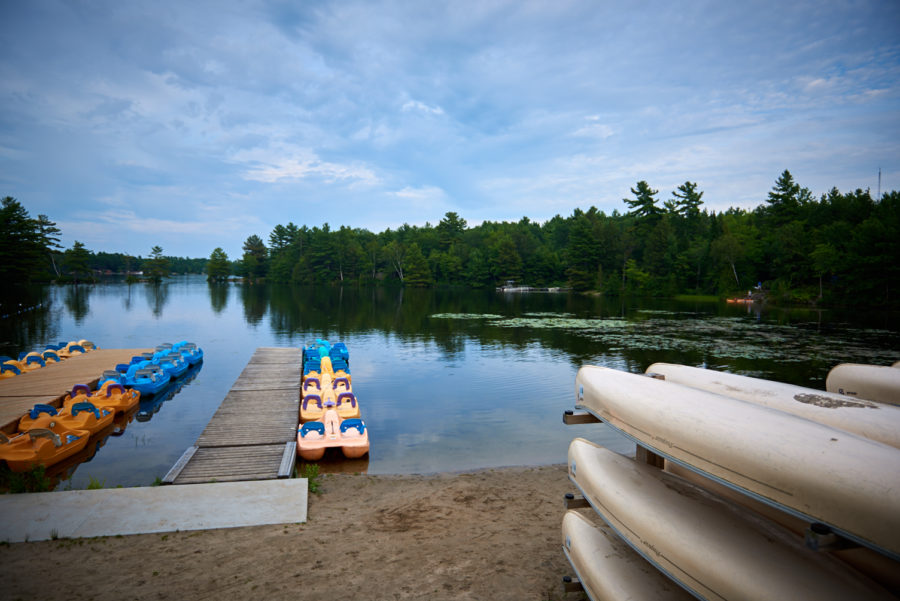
{"x":741,"y":488}
{"x":329,"y":409}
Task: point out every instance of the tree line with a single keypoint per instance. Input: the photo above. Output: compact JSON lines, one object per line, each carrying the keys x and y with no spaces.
{"x":841,"y":247}
{"x":30,"y":252}
{"x":838,"y":248}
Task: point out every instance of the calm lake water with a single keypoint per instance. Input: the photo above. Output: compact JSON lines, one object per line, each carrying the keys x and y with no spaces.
{"x":447,"y":380}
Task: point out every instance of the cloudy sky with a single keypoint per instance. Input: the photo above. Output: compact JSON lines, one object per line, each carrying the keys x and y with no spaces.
{"x":195,"y":124}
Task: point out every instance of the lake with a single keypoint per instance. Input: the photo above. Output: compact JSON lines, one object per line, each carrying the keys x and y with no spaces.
{"x":448,"y":380}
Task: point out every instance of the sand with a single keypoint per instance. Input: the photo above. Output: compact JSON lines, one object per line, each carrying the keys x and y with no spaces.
{"x":492,"y":534}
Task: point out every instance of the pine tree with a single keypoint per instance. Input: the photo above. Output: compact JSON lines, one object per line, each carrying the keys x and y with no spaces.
{"x":157,"y":266}
{"x":417,"y":271}
{"x":218,"y":268}
{"x":255,"y":260}
{"x":22,"y":249}
{"x":76,"y":261}
{"x":643,"y":206}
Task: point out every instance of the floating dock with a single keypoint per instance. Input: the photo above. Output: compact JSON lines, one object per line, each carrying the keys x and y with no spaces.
{"x":50,"y":384}
{"x":253,"y":434}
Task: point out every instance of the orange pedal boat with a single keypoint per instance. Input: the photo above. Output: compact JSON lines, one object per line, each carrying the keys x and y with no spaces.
{"x":111,"y":394}
{"x":41,"y":447}
{"x":350,"y":435}
{"x":79,"y":416}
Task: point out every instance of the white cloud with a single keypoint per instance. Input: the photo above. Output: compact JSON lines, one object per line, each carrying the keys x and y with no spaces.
{"x":424,"y":193}
{"x":415,"y":105}
{"x":288,"y":163}
{"x":594,"y":129}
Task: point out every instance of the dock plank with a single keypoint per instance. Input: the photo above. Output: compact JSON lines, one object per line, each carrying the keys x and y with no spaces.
{"x":228,"y":464}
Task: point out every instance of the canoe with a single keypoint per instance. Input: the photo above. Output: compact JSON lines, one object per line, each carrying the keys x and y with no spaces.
{"x":710,"y":547}
{"x":866,"y":418}
{"x":610,"y":570}
{"x":808,"y":469}
{"x":82,"y":415}
{"x":41,"y":446}
{"x":350,"y":435}
{"x":873,"y":382}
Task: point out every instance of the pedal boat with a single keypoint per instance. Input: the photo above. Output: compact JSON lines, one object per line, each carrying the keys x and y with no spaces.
{"x":172,"y":362}
{"x":8,"y":370}
{"x":317,"y":369}
{"x":27,"y":363}
{"x":192,"y":353}
{"x":349,"y":435}
{"x":71,"y":350}
{"x":110,"y":394}
{"x":146,"y":377}
{"x":50,"y":357}
{"x":41,"y":446}
{"x":314,"y":406}
{"x":83,"y":415}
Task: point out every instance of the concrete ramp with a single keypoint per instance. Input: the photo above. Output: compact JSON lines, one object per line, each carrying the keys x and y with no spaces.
{"x":108,"y":512}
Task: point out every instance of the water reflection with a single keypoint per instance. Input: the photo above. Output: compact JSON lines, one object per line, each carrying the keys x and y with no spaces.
{"x":255,"y":298}
{"x":127,"y":299}
{"x":25,"y":315}
{"x":77,"y":301}
{"x":218,"y":296}
{"x":157,"y":297}
{"x":448,"y":379}
{"x":148,"y":407}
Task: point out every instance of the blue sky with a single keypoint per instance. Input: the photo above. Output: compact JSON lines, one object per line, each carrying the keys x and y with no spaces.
{"x":195,"y":124}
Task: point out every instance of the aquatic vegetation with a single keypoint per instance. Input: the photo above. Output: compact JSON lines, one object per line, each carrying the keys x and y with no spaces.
{"x":713,"y":337}
{"x":563,"y":323}
{"x":465,"y":316}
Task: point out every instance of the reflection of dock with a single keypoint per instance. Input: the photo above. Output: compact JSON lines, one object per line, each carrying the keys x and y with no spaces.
{"x":50,"y":384}
{"x":253,"y":434}
{"x":531,"y":289}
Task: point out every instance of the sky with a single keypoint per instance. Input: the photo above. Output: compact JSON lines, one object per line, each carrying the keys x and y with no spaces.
{"x":193,"y":125}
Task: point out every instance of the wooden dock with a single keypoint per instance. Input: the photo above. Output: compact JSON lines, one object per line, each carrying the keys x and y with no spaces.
{"x":253,"y":434}
{"x":50,"y":384}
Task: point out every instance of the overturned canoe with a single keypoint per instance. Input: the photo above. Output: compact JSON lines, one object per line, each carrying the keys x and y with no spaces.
{"x":712,"y":548}
{"x":811,"y":470}
{"x":869,"y":419}
{"x":873,"y":382}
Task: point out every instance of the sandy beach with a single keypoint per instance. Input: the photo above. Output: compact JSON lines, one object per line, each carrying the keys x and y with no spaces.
{"x":491,"y":534}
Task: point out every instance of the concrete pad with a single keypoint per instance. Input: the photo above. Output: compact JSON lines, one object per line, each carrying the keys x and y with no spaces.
{"x":108,"y":512}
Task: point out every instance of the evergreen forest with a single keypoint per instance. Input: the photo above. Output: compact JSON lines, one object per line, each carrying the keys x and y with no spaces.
{"x":841,"y":248}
